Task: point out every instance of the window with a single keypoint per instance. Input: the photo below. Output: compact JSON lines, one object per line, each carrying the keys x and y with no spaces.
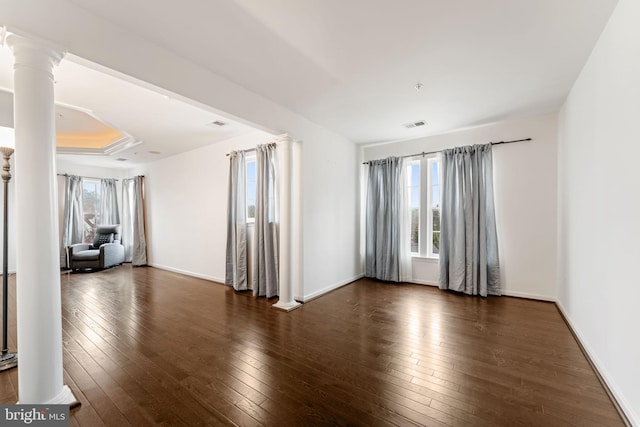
{"x":414,"y":204}
{"x":424,"y":204}
{"x":434,"y":207}
{"x":90,"y":207}
{"x":251,"y":188}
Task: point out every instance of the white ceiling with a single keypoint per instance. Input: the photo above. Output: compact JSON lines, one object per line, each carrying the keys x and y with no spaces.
{"x":163,"y":124}
{"x":349,"y":65}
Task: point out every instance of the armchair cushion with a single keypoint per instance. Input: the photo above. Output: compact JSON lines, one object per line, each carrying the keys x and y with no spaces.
{"x":88,"y":255}
{"x":101,"y":239}
{"x":78,"y":247}
{"x":106,"y":233}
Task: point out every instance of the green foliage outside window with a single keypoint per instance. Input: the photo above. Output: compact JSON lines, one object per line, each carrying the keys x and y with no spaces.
{"x":91,"y":208}
{"x":436,"y":230}
{"x":415,"y":230}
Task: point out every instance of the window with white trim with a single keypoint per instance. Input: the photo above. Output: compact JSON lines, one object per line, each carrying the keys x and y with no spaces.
{"x":423,"y":181}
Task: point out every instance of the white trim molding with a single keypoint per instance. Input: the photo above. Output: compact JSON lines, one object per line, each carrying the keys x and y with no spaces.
{"x":186,"y":272}
{"x":423,"y":282}
{"x":316,"y":294}
{"x":508,"y":293}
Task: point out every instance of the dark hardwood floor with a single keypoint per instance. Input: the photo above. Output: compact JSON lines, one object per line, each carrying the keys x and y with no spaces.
{"x":144,"y":346}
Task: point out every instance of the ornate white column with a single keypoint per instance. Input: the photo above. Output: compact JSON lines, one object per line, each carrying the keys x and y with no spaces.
{"x":37,"y":264}
{"x":285,"y":301}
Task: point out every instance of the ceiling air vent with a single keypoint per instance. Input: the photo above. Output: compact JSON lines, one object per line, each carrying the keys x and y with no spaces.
{"x":415,"y":124}
{"x":121,"y":159}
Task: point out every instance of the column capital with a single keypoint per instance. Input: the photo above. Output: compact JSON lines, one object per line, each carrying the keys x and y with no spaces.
{"x":33,"y":53}
{"x":284,"y":139}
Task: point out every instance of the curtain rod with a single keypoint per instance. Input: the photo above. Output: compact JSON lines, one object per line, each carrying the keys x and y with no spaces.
{"x":93,"y":177}
{"x":89,"y":177}
{"x":271,"y":144}
{"x":434,"y":152}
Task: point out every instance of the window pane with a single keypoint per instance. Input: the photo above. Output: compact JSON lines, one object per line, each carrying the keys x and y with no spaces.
{"x":251,"y":192}
{"x":251,"y":170}
{"x":415,"y":175}
{"x":435,"y":215}
{"x":435,"y":175}
{"x":91,"y":208}
{"x":415,"y":197}
{"x":414,"y":204}
{"x":251,"y":199}
{"x":415,"y":230}
{"x":435,"y":207}
{"x":435,"y":248}
{"x":435,"y":196}
{"x":251,"y":189}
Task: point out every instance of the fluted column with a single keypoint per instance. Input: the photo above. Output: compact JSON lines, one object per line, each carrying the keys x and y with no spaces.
{"x":37,"y":263}
{"x":285,"y":294}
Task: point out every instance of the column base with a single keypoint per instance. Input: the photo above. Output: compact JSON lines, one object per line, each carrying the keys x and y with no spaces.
{"x":286,"y":306}
{"x":8,"y":361}
{"x":65,"y":397}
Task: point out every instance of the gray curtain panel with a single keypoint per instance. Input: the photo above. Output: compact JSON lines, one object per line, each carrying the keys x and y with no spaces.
{"x":265,"y":268}
{"x":73,"y":219}
{"x":468,"y":240}
{"x":109,"y":213}
{"x":236,"y":257}
{"x":139,"y":250}
{"x":387,"y":232}
{"x":127,"y":217}
{"x":133,"y":225}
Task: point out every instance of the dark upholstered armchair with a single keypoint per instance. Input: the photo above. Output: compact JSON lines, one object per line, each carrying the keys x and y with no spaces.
{"x":105,"y":252}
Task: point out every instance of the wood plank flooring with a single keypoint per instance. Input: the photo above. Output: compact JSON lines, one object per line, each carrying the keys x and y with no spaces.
{"x":144,"y":346}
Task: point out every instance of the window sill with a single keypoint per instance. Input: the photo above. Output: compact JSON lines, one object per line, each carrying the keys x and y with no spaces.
{"x":420,"y":258}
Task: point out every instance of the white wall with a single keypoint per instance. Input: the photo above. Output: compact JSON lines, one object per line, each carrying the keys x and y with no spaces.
{"x":525,"y":198}
{"x":599,"y":206}
{"x":330,"y":214}
{"x":186,"y":201}
{"x":186,"y":208}
{"x":6,"y":108}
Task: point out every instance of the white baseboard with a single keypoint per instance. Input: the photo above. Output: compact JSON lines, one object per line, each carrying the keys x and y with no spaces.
{"x":328,"y":289}
{"x":306,"y":298}
{"x":624,"y":408}
{"x":423,"y":282}
{"x":504,"y":292}
{"x":539,"y":297}
{"x":186,"y":273}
